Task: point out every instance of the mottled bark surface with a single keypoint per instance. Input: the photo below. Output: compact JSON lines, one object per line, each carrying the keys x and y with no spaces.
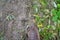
{"x":14,"y":29}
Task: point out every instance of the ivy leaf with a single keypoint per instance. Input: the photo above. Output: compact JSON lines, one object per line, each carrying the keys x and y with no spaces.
{"x":10,"y":17}
{"x":54,"y":11}
{"x":59,"y":21}
{"x":55,"y":18}
{"x":37,"y":18}
{"x":58,"y":5}
{"x":58,"y":1}
{"x":48,"y":26}
{"x":58,"y":14}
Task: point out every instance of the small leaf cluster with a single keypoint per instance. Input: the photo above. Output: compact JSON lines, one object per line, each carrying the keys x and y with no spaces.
{"x":10,"y":17}
{"x":56,"y":13}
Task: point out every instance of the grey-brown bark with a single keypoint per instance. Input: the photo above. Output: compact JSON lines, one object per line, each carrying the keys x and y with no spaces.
{"x":14,"y":29}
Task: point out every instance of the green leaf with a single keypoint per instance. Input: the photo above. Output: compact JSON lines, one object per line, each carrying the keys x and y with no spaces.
{"x":58,"y":14}
{"x":54,"y":11}
{"x":58,"y":5}
{"x":59,"y":21}
{"x":10,"y":17}
{"x":35,"y":8}
{"x":37,"y":18}
{"x":43,"y":2}
{"x":58,"y":1}
{"x":55,"y":18}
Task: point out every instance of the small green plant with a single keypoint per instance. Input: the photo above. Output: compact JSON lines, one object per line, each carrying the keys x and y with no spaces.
{"x":10,"y":17}
{"x":56,"y":15}
{"x":48,"y":32}
{"x":35,"y":7}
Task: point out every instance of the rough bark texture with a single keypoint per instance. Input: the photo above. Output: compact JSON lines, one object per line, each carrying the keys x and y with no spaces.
{"x":14,"y":29}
